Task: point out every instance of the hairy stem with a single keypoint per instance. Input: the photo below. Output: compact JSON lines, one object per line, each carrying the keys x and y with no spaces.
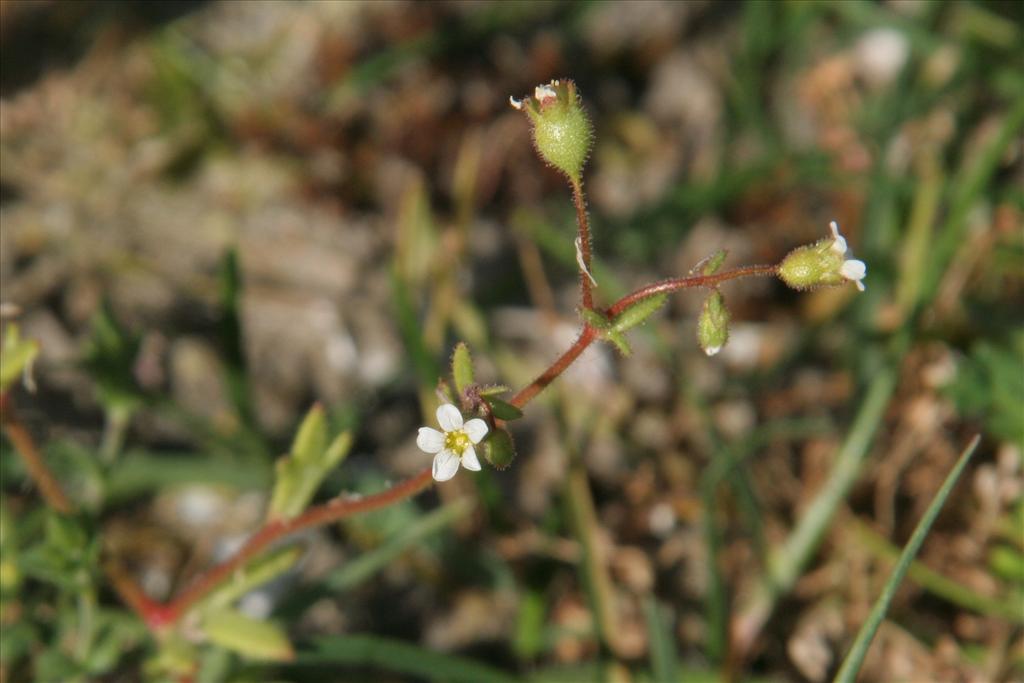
{"x":583,"y":237}
{"x":589,"y":334}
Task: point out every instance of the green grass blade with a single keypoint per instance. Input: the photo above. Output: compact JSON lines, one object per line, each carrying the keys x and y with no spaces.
{"x":398,"y":657}
{"x":664,"y":664}
{"x":855,"y":658}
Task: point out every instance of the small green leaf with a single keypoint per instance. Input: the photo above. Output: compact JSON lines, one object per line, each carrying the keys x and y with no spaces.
{"x":499,"y":449}
{"x":462,"y":367}
{"x":15,"y":355}
{"x":255,"y":574}
{"x":639,"y":312}
{"x":311,"y":439}
{"x":618,"y":341}
{"x":710,"y":265}
{"x":299,"y":474}
{"x":493,"y":390}
{"x":1007,"y":562}
{"x":503,"y":410}
{"x":247,"y":636}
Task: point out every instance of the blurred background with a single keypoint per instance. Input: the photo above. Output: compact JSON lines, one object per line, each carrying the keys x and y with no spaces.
{"x":217,"y":213}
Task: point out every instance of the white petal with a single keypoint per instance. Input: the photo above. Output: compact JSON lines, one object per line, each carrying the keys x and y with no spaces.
{"x":430,"y":440}
{"x":449,"y":417}
{"x":446,"y":464}
{"x":469,"y":460}
{"x":475,"y":429}
{"x":835,"y":229}
{"x":516,"y":104}
{"x":853,"y":269}
{"x":544,"y":91}
{"x":839,"y":246}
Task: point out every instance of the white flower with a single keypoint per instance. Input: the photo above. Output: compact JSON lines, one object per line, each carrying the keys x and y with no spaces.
{"x":853,"y":270}
{"x":454,"y":444}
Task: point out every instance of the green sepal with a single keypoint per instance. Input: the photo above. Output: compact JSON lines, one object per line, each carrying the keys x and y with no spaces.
{"x":639,"y":312}
{"x":493,"y":390}
{"x":246,"y":636}
{"x":499,"y":449}
{"x":502,"y":409}
{"x":562,"y":132}
{"x":462,"y":368}
{"x":16,"y":355}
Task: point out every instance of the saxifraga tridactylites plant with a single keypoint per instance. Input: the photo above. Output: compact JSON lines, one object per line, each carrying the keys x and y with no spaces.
{"x":471,"y":416}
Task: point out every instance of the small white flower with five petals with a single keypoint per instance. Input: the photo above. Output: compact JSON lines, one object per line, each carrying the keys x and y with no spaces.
{"x":853,"y":270}
{"x":454,"y":445}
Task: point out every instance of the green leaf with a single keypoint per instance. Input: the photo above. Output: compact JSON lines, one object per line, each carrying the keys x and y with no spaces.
{"x":1007,"y":562}
{"x":15,"y":355}
{"x":618,"y":341}
{"x":503,"y":410}
{"x":254,"y":574}
{"x":855,"y":658}
{"x":711,"y":264}
{"x":303,"y":470}
{"x":249,"y":637}
{"x":462,"y":368}
{"x":311,"y":439}
{"x":639,"y":312}
{"x":109,"y":357}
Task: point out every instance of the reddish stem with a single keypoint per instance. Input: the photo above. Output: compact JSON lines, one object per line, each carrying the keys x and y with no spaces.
{"x":676,"y":284}
{"x":273,"y":531}
{"x":583,"y":224}
{"x":25,"y":446}
{"x":589,"y":334}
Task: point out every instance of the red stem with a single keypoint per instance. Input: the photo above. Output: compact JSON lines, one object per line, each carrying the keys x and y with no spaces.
{"x":332,"y":511}
{"x":589,"y":334}
{"x":586,"y":294}
{"x":25,"y":446}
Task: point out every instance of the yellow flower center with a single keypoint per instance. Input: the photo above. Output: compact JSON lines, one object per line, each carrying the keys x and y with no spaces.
{"x":457,"y":441}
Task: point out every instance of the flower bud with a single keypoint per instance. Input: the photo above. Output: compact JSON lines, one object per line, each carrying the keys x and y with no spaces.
{"x":713,"y":324}
{"x":499,"y":449}
{"x":561,"y":129}
{"x":823,"y":263}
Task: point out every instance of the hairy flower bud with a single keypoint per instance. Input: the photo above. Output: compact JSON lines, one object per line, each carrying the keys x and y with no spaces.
{"x":823,"y":263}
{"x":561,"y":130}
{"x":713,"y":324}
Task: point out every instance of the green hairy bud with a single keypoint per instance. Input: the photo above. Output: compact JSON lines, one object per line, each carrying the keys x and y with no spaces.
{"x":561,"y":129}
{"x":713,"y":324}
{"x":823,"y":263}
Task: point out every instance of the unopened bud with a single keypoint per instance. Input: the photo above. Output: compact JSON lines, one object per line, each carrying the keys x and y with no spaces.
{"x":499,"y":449}
{"x":713,"y":324}
{"x":561,"y":129}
